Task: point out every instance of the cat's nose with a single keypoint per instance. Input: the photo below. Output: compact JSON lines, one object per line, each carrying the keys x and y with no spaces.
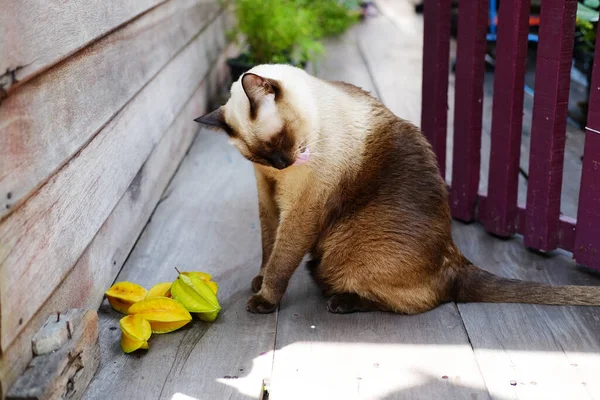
{"x":279,"y":160}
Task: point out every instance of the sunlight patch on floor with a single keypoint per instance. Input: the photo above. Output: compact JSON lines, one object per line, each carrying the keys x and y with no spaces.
{"x":371,"y":371}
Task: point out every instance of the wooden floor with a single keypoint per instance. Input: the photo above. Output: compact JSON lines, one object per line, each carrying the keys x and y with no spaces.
{"x":208,"y":220}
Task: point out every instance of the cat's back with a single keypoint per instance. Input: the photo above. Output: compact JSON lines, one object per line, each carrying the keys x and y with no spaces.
{"x":397,"y":169}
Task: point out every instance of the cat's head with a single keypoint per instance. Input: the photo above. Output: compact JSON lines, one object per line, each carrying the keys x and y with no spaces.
{"x":268,"y":116}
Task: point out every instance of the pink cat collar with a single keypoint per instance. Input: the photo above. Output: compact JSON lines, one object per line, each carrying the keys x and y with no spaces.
{"x":303,"y":157}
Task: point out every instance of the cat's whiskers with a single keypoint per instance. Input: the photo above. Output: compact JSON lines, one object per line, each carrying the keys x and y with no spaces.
{"x":309,"y":144}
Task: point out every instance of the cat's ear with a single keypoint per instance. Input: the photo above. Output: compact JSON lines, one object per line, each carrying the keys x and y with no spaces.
{"x":259,"y":90}
{"x":214,"y":119}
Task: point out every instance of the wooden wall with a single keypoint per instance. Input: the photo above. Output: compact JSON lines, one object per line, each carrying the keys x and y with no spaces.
{"x":96,"y":112}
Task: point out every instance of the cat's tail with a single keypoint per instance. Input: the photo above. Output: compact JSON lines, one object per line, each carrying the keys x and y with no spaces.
{"x":472,"y":284}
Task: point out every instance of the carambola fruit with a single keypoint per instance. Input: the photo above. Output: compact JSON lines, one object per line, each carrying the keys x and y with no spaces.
{"x":214,"y":286}
{"x":197,"y":296}
{"x":135,"y":332}
{"x":159,"y":290}
{"x":202,"y":275}
{"x":164,"y":314}
{"x":123,"y":294}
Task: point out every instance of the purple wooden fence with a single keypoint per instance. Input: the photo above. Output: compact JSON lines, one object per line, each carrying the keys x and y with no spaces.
{"x":540,"y":221}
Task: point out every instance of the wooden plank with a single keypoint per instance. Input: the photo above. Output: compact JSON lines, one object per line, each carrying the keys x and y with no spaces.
{"x":353,"y":70}
{"x":566,"y":225}
{"x":549,"y":123}
{"x":395,"y":64}
{"x":369,"y":355}
{"x":208,"y":221}
{"x":546,"y":352}
{"x":468,"y":103}
{"x":57,"y":223}
{"x":572,"y":164}
{"x":587,"y":238}
{"x":436,"y":51}
{"x":103,"y":258}
{"x":511,"y":55}
{"x":35,"y":35}
{"x":47,"y":121}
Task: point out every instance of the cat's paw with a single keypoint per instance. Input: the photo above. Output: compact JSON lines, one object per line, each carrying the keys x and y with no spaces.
{"x":257,"y":283}
{"x":259,"y":305}
{"x":341,"y":304}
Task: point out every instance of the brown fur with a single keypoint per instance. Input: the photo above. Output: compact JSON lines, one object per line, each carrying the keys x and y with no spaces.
{"x":380,"y":237}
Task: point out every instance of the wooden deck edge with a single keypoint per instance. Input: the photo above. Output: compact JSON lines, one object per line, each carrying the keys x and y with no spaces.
{"x":103,"y":259}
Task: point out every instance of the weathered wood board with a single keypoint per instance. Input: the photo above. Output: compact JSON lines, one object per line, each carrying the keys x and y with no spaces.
{"x":57,"y":223}
{"x":47,"y":121}
{"x":395,"y":63}
{"x":572,"y":164}
{"x":103,"y":258}
{"x":35,"y":35}
{"x":546,"y":352}
{"x":65,"y":372}
{"x":207,"y":221}
{"x":332,"y":67}
{"x":369,"y":355}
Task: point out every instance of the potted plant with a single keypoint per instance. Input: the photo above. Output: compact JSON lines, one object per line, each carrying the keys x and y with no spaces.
{"x":286,"y":31}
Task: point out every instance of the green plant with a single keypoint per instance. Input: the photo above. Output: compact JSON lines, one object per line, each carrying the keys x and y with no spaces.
{"x":332,"y":17}
{"x":288,"y":31}
{"x":586,"y":23}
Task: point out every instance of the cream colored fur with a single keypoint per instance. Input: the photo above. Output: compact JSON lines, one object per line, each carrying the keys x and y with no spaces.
{"x":329,"y":120}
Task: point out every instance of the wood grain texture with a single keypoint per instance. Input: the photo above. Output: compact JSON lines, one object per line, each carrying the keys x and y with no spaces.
{"x":353,"y":71}
{"x":587,"y":239}
{"x":436,"y":51}
{"x":208,"y":221}
{"x":47,"y":121}
{"x":549,"y":123}
{"x":66,"y":372}
{"x":572,"y":165}
{"x":369,"y":355}
{"x":36,"y":34}
{"x":468,"y":103}
{"x":547,"y":352}
{"x":511,"y":55}
{"x":57,"y":223}
{"x":103,"y":258}
{"x":395,"y":64}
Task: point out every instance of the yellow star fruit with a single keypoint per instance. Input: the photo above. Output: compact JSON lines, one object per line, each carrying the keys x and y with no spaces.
{"x":164,"y":314}
{"x":135,"y":332}
{"x":123,"y":294}
{"x":197,"y":295}
{"x":159,"y":290}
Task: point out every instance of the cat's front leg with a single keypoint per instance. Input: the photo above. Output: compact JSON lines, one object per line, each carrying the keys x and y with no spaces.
{"x":269,"y":221}
{"x":295,"y":235}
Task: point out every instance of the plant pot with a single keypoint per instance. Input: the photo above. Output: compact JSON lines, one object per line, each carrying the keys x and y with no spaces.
{"x":239,"y":65}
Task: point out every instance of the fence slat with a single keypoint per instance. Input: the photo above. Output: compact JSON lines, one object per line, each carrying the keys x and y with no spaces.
{"x":436,"y":55}
{"x":587,"y":233}
{"x":507,"y":117}
{"x":470,"y":67}
{"x":554,"y":55}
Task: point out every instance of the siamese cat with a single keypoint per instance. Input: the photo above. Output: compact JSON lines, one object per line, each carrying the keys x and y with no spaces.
{"x":341,"y":177}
